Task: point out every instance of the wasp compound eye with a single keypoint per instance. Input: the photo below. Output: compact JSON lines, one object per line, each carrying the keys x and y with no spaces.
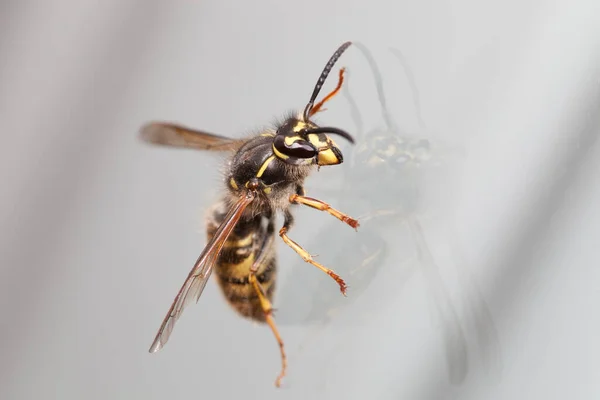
{"x":294,"y":147}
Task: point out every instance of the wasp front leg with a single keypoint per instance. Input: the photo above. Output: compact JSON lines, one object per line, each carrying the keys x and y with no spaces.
{"x":299,"y":198}
{"x":305,"y":255}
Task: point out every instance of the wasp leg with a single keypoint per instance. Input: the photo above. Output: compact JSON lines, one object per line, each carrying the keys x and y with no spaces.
{"x":264,"y":301}
{"x":305,"y":255}
{"x":320,"y":205}
{"x":268,"y":310}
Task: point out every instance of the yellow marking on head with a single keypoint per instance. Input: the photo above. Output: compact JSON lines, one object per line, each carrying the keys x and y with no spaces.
{"x":264,"y":166}
{"x":299,"y":126}
{"x":317,"y":142}
{"x":279,"y":154}
{"x":327,"y":157}
{"x":267,"y":190}
{"x":289,"y":140}
{"x":267,"y":134}
{"x":233,"y":184}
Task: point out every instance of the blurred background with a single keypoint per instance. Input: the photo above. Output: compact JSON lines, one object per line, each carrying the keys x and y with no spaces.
{"x":474,"y":274}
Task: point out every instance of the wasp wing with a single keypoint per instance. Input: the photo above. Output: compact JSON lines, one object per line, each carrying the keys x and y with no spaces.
{"x":168,"y":134}
{"x":198,"y":276}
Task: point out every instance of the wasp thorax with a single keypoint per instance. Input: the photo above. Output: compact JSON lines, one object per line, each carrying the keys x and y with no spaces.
{"x":296,"y":144}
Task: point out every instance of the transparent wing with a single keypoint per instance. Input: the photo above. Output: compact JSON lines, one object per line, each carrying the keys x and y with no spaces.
{"x":198,"y":276}
{"x":169,"y":134}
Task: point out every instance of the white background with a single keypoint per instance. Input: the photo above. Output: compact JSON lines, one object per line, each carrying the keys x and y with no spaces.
{"x":99,"y":230}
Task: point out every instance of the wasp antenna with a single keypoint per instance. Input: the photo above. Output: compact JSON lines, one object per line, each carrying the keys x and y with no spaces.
{"x":323,"y":77}
{"x":335,"y":131}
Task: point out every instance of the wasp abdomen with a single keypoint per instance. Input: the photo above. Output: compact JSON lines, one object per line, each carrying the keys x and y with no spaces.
{"x":239,"y":253}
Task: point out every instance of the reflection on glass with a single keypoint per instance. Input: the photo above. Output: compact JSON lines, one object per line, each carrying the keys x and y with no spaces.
{"x":386,"y":175}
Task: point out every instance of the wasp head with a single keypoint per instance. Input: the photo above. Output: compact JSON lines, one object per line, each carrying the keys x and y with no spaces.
{"x":301,"y":142}
{"x":304,"y":143}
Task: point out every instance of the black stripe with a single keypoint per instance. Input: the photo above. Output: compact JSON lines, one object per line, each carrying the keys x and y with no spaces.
{"x":234,"y":255}
{"x":242,"y":229}
{"x":246,"y":227}
{"x":235,"y":280}
{"x":234,"y":298}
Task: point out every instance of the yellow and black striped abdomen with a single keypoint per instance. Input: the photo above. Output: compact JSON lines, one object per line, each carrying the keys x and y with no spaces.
{"x":240,"y":251}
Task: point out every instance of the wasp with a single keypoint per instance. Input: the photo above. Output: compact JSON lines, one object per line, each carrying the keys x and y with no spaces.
{"x":265,"y":176}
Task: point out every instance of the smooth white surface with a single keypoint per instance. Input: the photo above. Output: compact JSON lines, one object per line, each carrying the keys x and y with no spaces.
{"x":99,"y":231}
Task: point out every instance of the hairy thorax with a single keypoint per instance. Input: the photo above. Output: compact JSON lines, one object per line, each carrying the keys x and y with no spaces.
{"x":255,"y":161}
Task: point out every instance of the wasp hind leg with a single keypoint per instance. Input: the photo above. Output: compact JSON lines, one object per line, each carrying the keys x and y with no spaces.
{"x":268,"y":310}
{"x":299,"y":198}
{"x":265,"y":304}
{"x":305,"y":255}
